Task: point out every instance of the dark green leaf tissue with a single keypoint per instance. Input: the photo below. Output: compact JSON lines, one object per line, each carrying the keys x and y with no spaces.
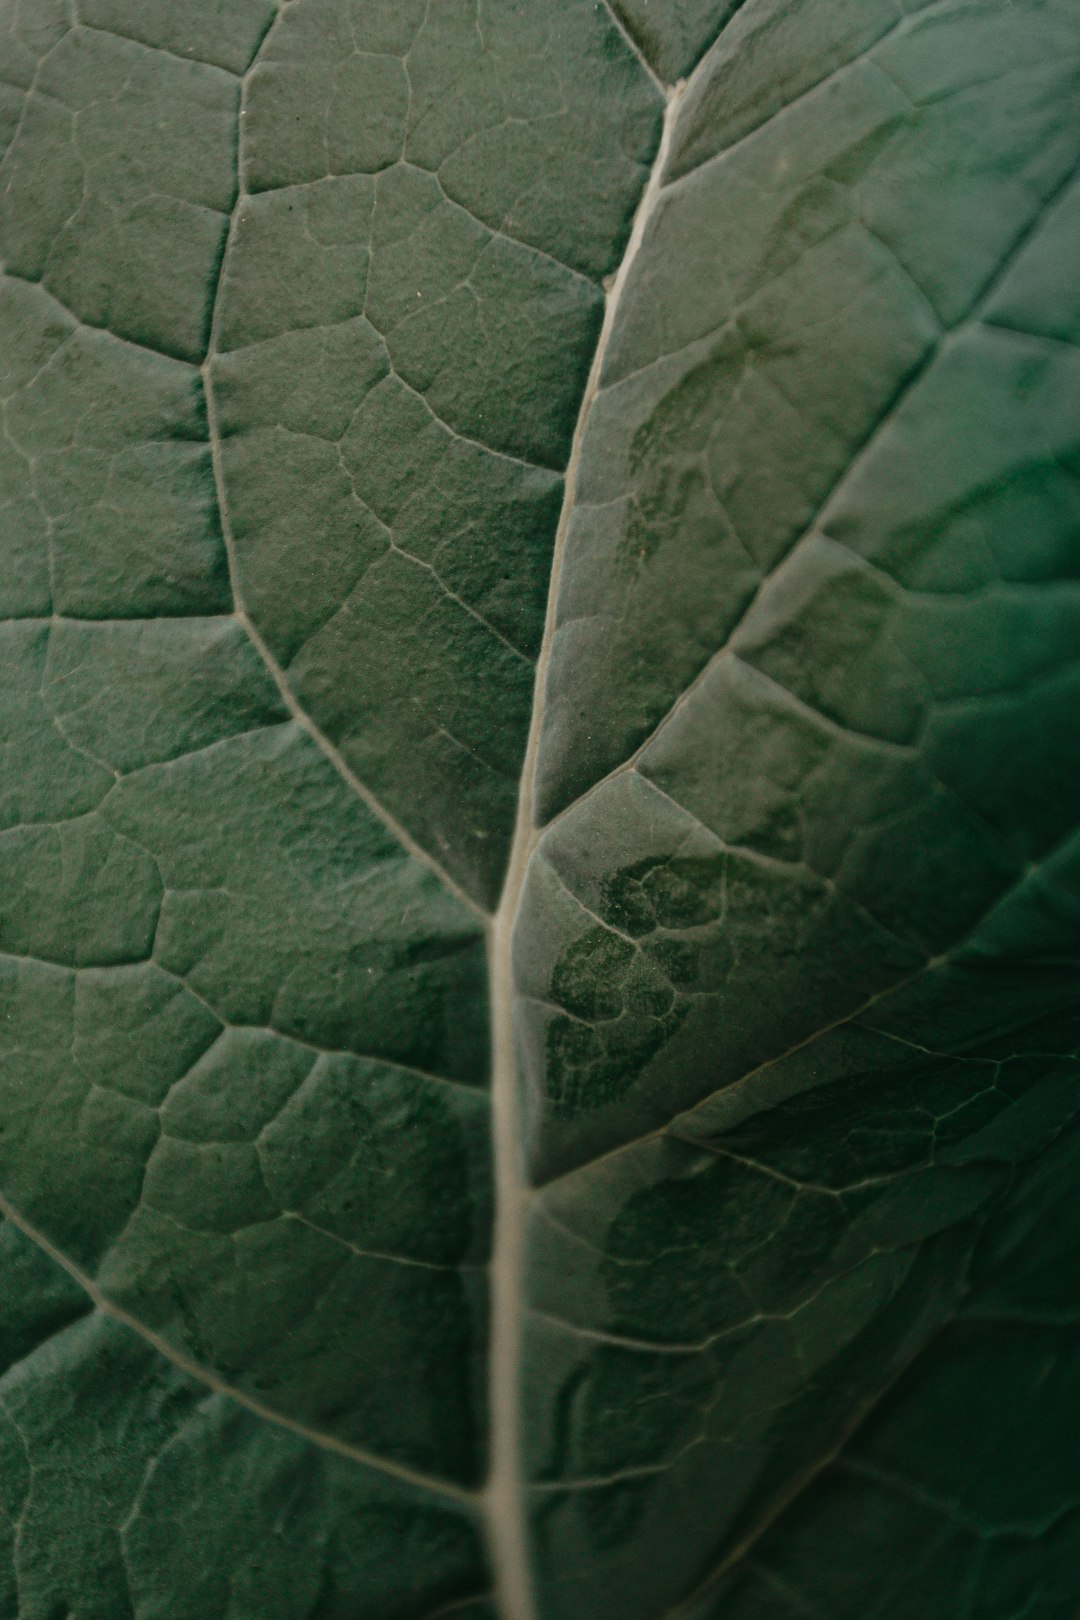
{"x":539,"y":809}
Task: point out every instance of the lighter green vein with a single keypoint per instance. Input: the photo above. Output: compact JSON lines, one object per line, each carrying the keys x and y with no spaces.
{"x":326,"y":1442}
{"x":243,"y":618}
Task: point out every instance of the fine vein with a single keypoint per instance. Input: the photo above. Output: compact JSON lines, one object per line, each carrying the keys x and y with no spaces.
{"x":203,"y":1375}
{"x":946,"y":339}
{"x":505,"y":1492}
{"x":798,"y":1486}
{"x":623,"y":26}
{"x":243,"y":618}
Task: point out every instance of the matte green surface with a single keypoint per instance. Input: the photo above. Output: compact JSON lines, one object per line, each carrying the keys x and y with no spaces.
{"x":298,"y":307}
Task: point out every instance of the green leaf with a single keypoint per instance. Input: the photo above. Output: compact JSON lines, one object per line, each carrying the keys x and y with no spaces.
{"x":539,"y":872}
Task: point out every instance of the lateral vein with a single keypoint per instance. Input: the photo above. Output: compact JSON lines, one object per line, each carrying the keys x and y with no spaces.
{"x":243,"y":618}
{"x":615,"y":12}
{"x":939,"y":347}
{"x":203,"y":1375}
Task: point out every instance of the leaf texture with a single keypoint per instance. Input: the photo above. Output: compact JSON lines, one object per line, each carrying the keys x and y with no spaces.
{"x":539,"y":872}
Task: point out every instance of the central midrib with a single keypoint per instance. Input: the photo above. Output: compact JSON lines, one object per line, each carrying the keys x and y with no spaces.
{"x":503,"y":1497}
{"x":504,"y":1494}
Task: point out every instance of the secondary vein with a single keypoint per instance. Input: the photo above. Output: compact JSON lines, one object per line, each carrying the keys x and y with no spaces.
{"x":243,"y":617}
{"x":942,"y":345}
{"x":203,"y":1375}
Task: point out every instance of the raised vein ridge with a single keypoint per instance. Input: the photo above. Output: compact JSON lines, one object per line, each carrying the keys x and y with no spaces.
{"x":202,"y":1375}
{"x":504,"y":1493}
{"x":243,"y":618}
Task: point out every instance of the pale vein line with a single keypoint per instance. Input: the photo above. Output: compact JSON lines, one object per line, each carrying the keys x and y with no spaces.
{"x":457,"y":1604}
{"x":599,"y":1482}
{"x":203,"y":1375}
{"x":498,"y":231}
{"x":28,"y":92}
{"x":459,"y":601}
{"x":508,"y":1538}
{"x":611,"y":7}
{"x":901,"y":25}
{"x":1033,"y":874}
{"x":105,"y":331}
{"x":936,"y":349}
{"x":706,"y":48}
{"x":456,"y":433}
{"x":509,"y":1546}
{"x":621,"y":1341}
{"x":664,"y":1129}
{"x":381,"y":1255}
{"x":243,"y":618}
{"x":305,"y":1042}
{"x":801,"y":1483}
{"x":158,"y":50}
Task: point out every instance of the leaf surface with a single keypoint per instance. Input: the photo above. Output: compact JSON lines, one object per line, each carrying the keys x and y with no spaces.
{"x":538,"y":876}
